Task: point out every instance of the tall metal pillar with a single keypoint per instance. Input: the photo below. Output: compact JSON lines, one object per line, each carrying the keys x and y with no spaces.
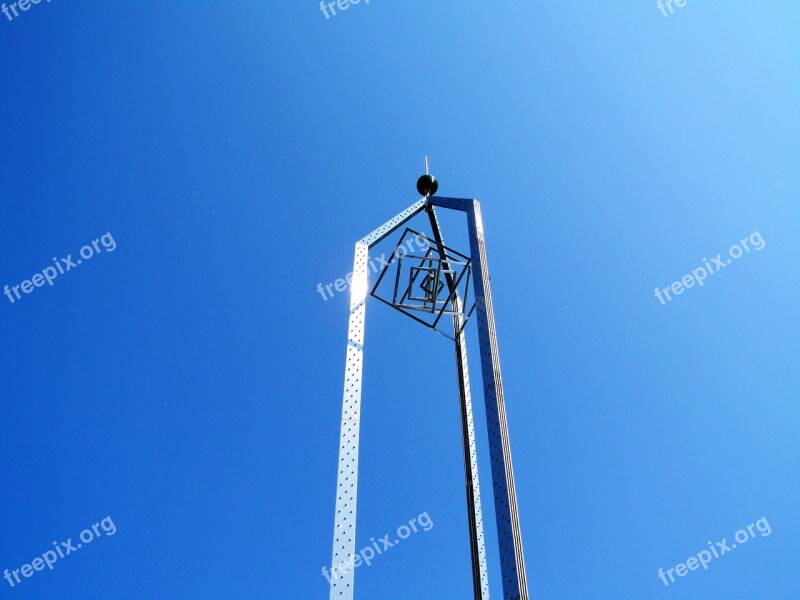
{"x":512,"y":561}
{"x":480,"y":576}
{"x":344,"y":533}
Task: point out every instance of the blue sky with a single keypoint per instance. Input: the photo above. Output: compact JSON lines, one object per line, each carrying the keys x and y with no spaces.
{"x":188,"y":383}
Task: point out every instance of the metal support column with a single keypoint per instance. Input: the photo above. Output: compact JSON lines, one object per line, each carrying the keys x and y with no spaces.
{"x":480,"y":578}
{"x":512,"y":561}
{"x":344,"y":534}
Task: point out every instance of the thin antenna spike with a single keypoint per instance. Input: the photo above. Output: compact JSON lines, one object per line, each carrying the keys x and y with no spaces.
{"x":427,"y":185}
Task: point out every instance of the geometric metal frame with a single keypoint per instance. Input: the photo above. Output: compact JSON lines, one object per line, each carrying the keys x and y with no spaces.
{"x":439,"y":259}
{"x":512,"y":562}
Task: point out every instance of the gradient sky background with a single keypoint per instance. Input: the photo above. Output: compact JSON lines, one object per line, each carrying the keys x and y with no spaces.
{"x":188,"y":384}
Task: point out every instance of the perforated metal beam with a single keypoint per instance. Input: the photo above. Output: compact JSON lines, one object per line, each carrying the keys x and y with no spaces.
{"x":344,"y":534}
{"x":480,"y":576}
{"x":512,"y":560}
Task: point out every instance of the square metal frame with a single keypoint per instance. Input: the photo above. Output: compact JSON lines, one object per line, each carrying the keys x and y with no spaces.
{"x":446,"y":256}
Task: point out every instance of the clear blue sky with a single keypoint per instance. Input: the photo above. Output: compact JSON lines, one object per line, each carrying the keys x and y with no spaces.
{"x":188,"y":384}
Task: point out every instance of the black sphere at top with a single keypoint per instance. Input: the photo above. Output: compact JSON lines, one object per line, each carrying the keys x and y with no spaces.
{"x":427,"y":185}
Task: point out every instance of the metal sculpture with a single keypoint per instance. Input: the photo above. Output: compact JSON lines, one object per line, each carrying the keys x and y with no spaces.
{"x":428,"y":287}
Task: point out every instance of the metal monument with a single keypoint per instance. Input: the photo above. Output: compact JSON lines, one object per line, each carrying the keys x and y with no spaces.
{"x":433,"y":286}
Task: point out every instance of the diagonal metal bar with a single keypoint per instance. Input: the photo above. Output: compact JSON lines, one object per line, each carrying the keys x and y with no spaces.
{"x":480,"y":577}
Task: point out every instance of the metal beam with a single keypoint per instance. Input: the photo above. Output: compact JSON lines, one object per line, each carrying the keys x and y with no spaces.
{"x":344,"y":533}
{"x":512,"y":561}
{"x":480,"y":577}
